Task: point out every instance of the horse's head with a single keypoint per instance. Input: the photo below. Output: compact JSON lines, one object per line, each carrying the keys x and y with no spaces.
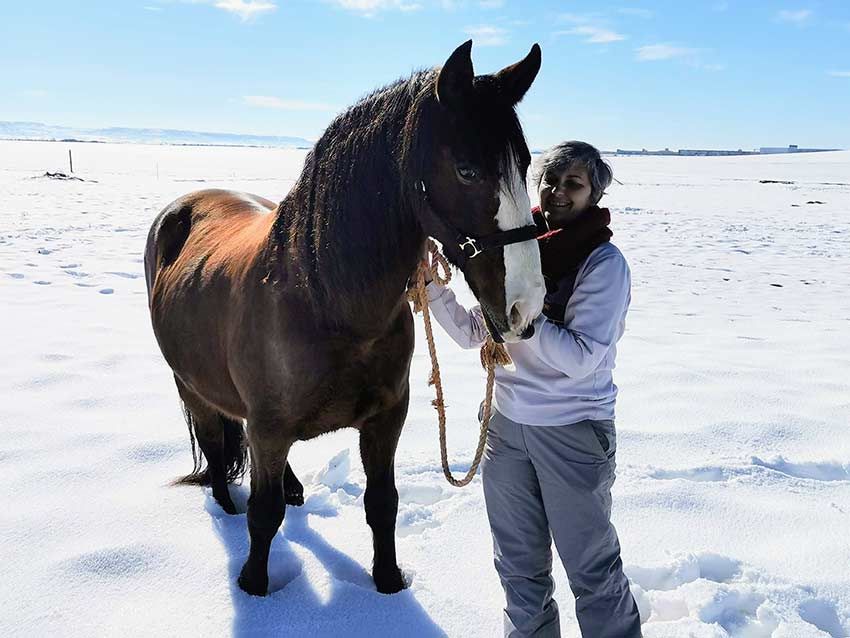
{"x":470,"y":164}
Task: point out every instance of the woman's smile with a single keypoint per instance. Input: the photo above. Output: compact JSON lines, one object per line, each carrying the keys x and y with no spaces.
{"x":565,"y":194}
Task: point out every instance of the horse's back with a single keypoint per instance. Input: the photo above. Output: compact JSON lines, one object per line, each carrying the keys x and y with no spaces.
{"x":217,"y":218}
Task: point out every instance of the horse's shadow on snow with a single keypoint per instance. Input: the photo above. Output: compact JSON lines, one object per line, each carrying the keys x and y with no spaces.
{"x":343,"y":602}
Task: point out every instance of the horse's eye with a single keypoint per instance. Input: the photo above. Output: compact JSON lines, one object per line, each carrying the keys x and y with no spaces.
{"x":467,"y":173}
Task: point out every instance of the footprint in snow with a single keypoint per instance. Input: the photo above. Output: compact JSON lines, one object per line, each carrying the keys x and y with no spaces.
{"x":823,"y":471}
{"x":697,"y":474}
{"x":117,"y":562}
{"x":154,"y":452}
{"x":56,"y":356}
{"x":813,"y":470}
{"x":708,"y":594}
{"x":822,"y":614}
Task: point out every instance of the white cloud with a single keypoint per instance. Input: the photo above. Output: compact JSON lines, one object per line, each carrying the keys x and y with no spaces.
{"x":839,"y":74}
{"x":245,"y":9}
{"x":634,"y":11}
{"x":654,"y":52}
{"x":486,"y":35}
{"x":371,"y":7}
{"x":798,"y":16}
{"x":491,"y":4}
{"x":271,"y":102}
{"x":151,"y":8}
{"x":694,"y":58}
{"x":590,"y":26}
{"x":594,"y":35}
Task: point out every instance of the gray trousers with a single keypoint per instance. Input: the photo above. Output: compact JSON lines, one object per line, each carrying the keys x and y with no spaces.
{"x":545,"y":483}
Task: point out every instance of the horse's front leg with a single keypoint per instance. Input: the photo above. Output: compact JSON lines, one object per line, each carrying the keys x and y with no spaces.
{"x":293,"y":490}
{"x":378,"y":440}
{"x":266,"y":505}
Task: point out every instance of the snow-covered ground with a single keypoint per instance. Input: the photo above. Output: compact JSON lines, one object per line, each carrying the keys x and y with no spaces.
{"x":733,"y":493}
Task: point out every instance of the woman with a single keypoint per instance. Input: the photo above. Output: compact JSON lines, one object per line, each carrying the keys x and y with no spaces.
{"x":549,"y":462}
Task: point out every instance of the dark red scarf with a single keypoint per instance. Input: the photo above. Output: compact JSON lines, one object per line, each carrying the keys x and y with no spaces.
{"x":563,"y":251}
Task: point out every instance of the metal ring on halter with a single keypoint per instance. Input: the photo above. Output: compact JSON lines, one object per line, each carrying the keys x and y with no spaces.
{"x":472,"y":243}
{"x":477,"y":245}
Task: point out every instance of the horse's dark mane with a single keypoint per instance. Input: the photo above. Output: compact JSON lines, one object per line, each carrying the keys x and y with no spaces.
{"x":351,"y":224}
{"x":345,"y":218}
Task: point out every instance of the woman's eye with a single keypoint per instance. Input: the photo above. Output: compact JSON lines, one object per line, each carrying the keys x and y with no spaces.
{"x":467,"y":173}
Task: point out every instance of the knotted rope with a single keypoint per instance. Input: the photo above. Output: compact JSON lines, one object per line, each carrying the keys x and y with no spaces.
{"x":492,"y":354}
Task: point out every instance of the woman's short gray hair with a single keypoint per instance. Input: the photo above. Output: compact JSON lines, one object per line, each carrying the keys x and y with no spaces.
{"x":561,"y":156}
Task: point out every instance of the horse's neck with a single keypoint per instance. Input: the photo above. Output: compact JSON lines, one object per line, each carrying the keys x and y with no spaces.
{"x":352,"y":266}
{"x":347,"y":233}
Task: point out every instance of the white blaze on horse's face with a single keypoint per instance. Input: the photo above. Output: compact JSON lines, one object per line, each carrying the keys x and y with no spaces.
{"x":524,"y":286}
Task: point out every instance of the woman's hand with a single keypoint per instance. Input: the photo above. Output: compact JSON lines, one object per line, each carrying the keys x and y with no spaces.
{"x":425,"y":265}
{"x":426,"y":269}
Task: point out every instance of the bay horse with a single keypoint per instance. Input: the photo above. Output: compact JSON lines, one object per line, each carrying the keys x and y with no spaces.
{"x":293,"y":319}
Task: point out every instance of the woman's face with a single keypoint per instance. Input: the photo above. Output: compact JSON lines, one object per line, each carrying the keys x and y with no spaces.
{"x":564,"y":194}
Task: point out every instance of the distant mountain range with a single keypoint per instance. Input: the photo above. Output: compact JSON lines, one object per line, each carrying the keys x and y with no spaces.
{"x":46,"y":132}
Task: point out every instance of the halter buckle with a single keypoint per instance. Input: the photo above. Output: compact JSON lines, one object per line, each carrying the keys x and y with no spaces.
{"x":472,"y":244}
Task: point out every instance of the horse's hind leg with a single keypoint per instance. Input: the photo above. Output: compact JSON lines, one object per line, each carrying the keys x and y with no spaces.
{"x":221,"y":440}
{"x":378,"y":440}
{"x":266,"y":505}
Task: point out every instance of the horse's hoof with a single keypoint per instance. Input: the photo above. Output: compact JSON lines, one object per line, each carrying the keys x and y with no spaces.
{"x":253,"y":586}
{"x":229,"y":508}
{"x":388,"y":581}
{"x":226,"y":503}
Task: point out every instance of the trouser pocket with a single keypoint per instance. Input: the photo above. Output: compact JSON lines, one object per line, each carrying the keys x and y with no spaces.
{"x":606,"y":435}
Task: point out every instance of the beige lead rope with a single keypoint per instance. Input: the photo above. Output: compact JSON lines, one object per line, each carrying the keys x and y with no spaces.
{"x":492,"y":354}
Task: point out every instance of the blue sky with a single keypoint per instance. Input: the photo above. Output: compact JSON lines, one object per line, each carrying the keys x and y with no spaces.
{"x":627,"y":73}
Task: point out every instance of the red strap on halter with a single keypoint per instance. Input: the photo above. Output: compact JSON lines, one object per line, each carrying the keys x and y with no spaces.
{"x":540,"y":222}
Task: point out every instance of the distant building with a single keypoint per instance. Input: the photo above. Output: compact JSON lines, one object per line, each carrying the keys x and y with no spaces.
{"x":793,"y":148}
{"x":691,"y":152}
{"x":695,"y":152}
{"x":685,"y":152}
{"x":666,"y":151}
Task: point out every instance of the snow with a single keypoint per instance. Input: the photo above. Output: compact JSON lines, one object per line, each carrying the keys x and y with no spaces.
{"x":732,"y":500}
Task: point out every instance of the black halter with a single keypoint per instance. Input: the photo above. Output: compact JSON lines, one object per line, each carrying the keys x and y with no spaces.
{"x":462,"y":247}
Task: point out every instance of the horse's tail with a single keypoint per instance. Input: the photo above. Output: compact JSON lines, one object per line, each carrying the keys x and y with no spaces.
{"x":232,"y":451}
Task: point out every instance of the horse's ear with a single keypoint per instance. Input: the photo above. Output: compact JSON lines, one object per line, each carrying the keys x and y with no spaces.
{"x":516,"y":79}
{"x":455,"y":79}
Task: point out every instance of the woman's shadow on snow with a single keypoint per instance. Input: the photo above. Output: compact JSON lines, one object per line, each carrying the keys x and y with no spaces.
{"x":346,"y":603}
